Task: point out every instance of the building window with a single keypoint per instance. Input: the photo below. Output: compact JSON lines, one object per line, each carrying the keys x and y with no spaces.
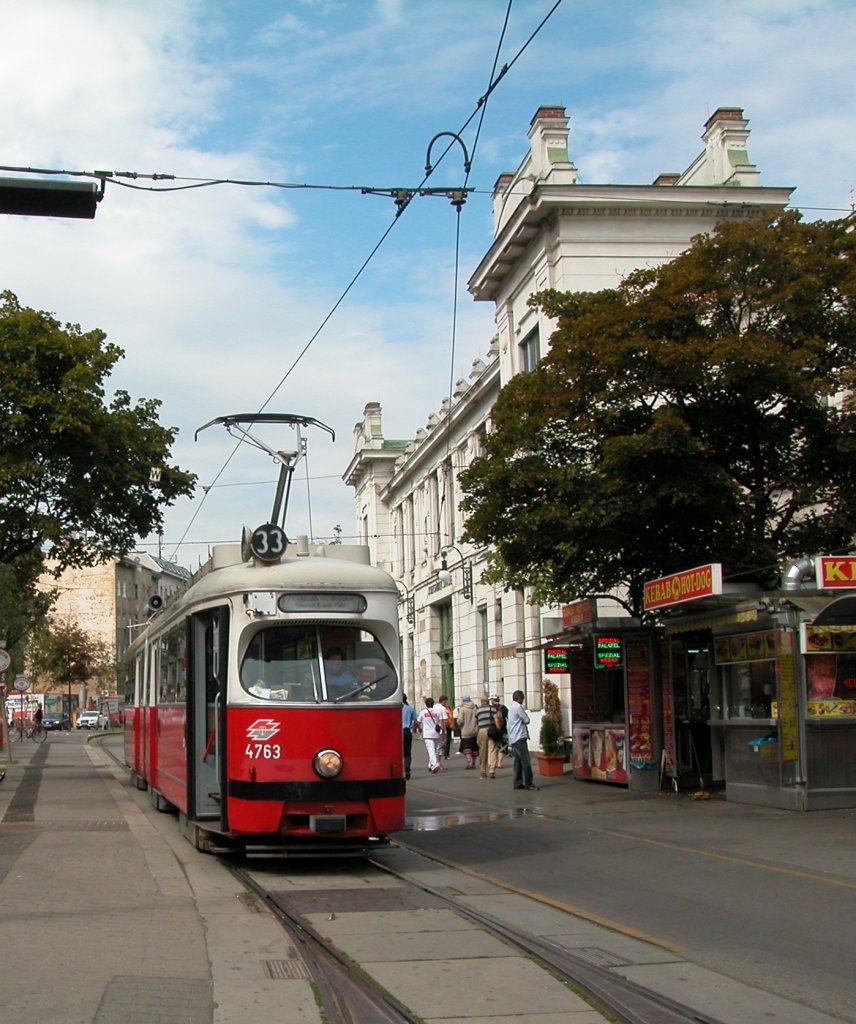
{"x":449,"y":498}
{"x":446,"y":651}
{"x":411,"y":534}
{"x":435,"y":486}
{"x":530,"y":351}
{"x":484,"y":642}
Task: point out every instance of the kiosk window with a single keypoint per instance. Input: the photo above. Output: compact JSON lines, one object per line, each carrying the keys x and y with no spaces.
{"x":749,"y":689}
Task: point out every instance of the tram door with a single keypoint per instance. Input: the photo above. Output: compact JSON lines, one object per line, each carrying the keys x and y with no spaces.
{"x":206,"y":711}
{"x":146,"y":711}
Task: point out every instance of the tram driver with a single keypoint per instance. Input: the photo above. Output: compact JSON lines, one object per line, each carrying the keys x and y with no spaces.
{"x":339,"y":680}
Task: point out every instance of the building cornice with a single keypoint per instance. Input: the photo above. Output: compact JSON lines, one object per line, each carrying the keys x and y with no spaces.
{"x":715,"y":202}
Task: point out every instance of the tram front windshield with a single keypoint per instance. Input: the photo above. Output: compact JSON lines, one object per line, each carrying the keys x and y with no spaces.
{"x":317,"y":663}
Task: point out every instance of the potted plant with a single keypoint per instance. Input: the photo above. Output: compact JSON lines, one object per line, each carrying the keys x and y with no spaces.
{"x":551,"y":759}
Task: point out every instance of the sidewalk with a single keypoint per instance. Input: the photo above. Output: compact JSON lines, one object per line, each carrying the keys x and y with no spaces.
{"x":110,"y":916}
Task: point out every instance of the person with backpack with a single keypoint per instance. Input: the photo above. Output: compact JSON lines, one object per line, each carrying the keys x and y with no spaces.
{"x":489,"y":735}
{"x":500,"y":711}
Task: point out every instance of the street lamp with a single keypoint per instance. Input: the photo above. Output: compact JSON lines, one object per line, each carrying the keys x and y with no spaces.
{"x":410,"y":600}
{"x":444,"y":573}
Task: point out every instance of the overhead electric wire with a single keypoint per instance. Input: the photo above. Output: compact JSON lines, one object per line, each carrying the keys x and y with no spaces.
{"x":482,"y":106}
{"x":401,"y":208}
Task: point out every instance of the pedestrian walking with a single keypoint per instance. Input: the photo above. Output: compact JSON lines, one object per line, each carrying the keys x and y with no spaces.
{"x":431,"y":726}
{"x":469,"y":730}
{"x":448,"y":726}
{"x":488,"y":747}
{"x":518,"y":740}
{"x":408,"y":721}
{"x":500,"y":711}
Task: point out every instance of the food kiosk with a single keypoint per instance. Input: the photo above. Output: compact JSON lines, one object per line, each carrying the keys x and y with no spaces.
{"x":616,"y":737}
{"x":759,"y":688}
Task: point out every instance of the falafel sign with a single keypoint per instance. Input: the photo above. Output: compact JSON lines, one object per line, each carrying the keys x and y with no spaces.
{"x":703,"y":581}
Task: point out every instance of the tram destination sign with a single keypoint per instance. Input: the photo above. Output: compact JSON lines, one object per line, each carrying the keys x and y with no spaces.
{"x":703,"y":581}
{"x":556,"y":660}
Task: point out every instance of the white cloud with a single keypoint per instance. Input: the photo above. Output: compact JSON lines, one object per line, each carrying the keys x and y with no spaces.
{"x":213,"y":292}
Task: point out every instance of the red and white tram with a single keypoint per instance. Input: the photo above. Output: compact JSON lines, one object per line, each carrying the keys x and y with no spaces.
{"x":267,"y":703}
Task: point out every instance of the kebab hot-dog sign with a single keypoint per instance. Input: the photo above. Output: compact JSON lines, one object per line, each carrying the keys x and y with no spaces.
{"x":703,"y":581}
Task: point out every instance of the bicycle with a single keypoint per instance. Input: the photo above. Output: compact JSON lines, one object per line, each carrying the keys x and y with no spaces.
{"x":37,"y":733}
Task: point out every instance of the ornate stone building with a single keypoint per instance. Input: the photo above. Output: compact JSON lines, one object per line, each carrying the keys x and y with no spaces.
{"x":460,"y":635}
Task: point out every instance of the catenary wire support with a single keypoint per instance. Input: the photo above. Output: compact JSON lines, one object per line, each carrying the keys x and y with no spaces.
{"x":429,"y":167}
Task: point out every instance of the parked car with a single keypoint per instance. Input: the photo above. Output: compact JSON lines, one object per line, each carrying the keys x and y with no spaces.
{"x":55,"y":720}
{"x":87,"y":720}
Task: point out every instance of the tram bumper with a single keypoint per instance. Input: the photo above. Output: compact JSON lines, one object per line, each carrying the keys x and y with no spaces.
{"x":330,"y":807}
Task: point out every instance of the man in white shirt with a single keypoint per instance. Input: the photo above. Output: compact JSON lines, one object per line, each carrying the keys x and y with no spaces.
{"x":431,"y":725}
{"x":518,"y":740}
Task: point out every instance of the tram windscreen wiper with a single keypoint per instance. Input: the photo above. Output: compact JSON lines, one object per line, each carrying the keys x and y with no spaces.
{"x":360,"y":689}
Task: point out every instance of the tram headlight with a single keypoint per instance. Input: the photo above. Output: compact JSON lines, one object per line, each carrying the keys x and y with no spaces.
{"x":328,"y":763}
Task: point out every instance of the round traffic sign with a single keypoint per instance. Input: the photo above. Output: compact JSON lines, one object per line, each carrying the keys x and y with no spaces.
{"x":21,"y":683}
{"x":5,"y":659}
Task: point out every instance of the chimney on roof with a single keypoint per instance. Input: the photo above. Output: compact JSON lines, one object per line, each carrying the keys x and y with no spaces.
{"x":548,"y":140}
{"x":502,"y":183}
{"x":669,"y":178}
{"x":726,"y":136}
{"x":724,"y":114}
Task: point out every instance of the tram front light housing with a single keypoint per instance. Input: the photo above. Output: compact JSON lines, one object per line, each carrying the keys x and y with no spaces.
{"x":328,"y":763}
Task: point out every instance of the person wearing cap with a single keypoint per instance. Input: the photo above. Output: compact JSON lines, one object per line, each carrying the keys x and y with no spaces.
{"x":469,"y":730}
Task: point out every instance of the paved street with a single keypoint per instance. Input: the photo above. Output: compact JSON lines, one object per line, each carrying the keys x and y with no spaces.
{"x":744,"y":914}
{"x":765,"y":897}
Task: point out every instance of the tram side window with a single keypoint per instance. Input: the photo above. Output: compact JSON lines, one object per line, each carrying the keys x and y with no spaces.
{"x":310,"y":663}
{"x":172,"y":688}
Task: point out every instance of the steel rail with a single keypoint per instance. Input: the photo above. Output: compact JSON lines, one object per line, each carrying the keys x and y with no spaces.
{"x":625,"y":999}
{"x":348,"y":995}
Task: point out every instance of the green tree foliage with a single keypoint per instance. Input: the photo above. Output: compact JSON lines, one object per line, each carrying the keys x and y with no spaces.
{"x":65,"y":654}
{"x":22,"y":603}
{"x":76,"y":478}
{"x":701,"y":411}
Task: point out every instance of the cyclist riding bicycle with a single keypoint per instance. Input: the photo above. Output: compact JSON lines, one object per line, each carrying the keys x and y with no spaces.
{"x":37,"y":718}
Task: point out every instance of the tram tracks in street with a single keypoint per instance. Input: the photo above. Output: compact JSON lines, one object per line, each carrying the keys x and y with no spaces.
{"x":623,"y":999}
{"x":350,"y":995}
{"x":346,"y":993}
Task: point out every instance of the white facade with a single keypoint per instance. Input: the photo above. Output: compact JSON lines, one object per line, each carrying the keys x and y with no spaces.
{"x":460,"y":635}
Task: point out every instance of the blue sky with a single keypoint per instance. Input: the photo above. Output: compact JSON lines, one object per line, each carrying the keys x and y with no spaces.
{"x":213,"y":292}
